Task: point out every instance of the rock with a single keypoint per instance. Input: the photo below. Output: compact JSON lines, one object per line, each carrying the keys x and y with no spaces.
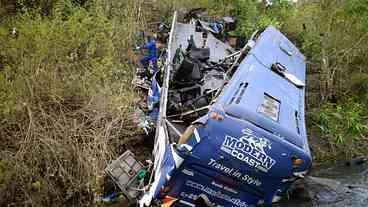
{"x":357,"y":161}
{"x":323,"y":190}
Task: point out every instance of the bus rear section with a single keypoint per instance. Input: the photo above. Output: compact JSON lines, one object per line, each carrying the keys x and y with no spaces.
{"x":224,"y":164}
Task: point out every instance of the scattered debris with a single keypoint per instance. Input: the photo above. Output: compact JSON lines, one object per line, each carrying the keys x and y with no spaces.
{"x":129,"y":174}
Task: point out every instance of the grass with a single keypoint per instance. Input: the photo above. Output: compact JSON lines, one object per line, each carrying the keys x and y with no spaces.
{"x":62,"y":150}
{"x":66,"y":105}
{"x":340,"y":131}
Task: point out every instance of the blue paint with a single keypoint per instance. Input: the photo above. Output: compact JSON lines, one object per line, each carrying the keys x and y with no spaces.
{"x":151,"y":57}
{"x":247,"y":157}
{"x":154,"y":99}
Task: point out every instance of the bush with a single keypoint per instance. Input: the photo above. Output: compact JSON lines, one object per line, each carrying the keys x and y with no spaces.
{"x":344,"y":127}
{"x":64,"y":99}
{"x":252,"y":15}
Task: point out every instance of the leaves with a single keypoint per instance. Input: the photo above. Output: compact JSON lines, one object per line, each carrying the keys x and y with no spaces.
{"x":64,"y":98}
{"x":343,"y":122}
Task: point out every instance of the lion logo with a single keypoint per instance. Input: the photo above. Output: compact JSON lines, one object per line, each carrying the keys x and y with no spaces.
{"x":258,"y":143}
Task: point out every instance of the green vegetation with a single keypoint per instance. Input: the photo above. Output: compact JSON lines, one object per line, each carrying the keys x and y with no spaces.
{"x":334,"y":38}
{"x":64,"y":98}
{"x":343,"y":128}
{"x":66,"y":104}
{"x":253,"y":16}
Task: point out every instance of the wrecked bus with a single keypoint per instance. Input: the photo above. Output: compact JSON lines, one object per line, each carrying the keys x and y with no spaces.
{"x":231,"y":128}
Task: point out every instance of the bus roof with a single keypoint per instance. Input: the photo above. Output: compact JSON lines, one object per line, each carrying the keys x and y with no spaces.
{"x":265,"y":97}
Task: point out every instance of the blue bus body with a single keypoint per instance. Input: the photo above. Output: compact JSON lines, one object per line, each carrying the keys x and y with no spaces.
{"x":243,"y":151}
